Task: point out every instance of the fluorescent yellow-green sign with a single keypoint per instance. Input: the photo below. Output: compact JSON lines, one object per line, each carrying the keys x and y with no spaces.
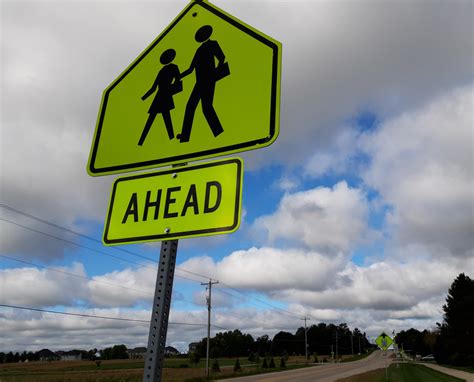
{"x":187,"y":201}
{"x":384,"y":341}
{"x":208,"y":85}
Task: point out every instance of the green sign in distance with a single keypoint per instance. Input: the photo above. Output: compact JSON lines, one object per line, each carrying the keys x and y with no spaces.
{"x":188,"y":201}
{"x":208,"y":85}
{"x":384,"y":341}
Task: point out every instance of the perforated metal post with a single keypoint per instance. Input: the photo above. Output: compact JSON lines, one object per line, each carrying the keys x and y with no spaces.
{"x":160,"y":312}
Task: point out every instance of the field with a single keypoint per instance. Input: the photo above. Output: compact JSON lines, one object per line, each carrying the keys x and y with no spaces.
{"x":405,"y":373}
{"x":176,"y":370}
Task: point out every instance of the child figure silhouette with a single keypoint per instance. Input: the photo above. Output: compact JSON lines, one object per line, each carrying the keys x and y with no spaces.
{"x":168,"y":83}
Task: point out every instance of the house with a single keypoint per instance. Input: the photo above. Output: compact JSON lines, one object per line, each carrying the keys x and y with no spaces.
{"x":73,"y":355}
{"x":47,"y":355}
{"x":139,"y":352}
{"x":170,"y":351}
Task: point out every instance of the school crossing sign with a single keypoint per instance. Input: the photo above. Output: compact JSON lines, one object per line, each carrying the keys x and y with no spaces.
{"x":208,"y":85}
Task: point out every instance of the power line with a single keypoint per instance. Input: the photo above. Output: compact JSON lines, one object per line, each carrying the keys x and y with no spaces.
{"x":93,"y":280}
{"x":88,"y":248}
{"x":74,"y":274}
{"x":44,"y":221}
{"x":280,"y":310}
{"x":93,"y":316}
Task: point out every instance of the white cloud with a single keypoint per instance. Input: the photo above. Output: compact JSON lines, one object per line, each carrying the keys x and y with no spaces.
{"x":34,"y":287}
{"x":122,"y":288}
{"x":422,"y":164}
{"x":385,"y":286}
{"x":336,"y":158}
{"x":270,"y":268}
{"x":327,"y":218}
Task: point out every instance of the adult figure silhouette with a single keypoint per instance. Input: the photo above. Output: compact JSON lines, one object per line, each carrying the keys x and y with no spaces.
{"x":168,"y":83}
{"x":203,"y":64}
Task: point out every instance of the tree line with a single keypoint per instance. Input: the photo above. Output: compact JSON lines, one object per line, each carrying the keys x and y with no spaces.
{"x":452,"y":341}
{"x":322,"y":339}
{"x":114,"y":352}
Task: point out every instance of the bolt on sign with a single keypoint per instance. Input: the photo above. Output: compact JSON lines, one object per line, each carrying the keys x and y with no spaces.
{"x":208,"y":85}
{"x":198,"y":200}
{"x":384,"y":341}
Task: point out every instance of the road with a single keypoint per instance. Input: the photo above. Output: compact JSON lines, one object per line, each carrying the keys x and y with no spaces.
{"x":321,"y":373}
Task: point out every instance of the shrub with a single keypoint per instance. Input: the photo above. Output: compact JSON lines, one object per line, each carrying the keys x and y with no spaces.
{"x":194,"y":357}
{"x":264,"y":364}
{"x":215,"y":366}
{"x":272,"y":363}
{"x":237,"y":365}
{"x":282,"y":363}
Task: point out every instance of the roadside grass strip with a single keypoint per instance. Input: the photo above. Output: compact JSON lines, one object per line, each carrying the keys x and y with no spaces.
{"x":404,"y":373}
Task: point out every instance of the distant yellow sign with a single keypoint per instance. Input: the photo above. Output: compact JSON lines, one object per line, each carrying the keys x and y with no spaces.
{"x":208,"y":85}
{"x":384,"y":341}
{"x":186,"y":201}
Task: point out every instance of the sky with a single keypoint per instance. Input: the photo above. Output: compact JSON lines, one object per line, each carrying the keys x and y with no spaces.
{"x":361,"y":212}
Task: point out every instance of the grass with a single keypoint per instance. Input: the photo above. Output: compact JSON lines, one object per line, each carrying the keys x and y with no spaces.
{"x":405,"y":373}
{"x":175,"y":370}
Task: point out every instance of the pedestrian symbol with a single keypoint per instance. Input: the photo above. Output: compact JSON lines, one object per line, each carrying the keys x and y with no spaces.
{"x":168,"y":83}
{"x":209,"y":85}
{"x":206,"y":78}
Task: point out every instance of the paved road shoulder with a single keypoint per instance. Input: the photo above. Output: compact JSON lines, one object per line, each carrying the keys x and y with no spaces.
{"x":468,"y":377}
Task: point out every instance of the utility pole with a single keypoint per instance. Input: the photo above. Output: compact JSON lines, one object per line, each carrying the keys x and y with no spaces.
{"x":208,"y":298}
{"x":305,"y":339}
{"x":336,"y":345}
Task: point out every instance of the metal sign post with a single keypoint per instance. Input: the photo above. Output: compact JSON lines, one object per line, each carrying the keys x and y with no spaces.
{"x":160,"y":312}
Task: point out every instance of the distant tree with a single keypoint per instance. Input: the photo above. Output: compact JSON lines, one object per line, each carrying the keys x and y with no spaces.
{"x":119,"y":352}
{"x":455,"y":344}
{"x":115,"y":352}
{"x":232,"y":343}
{"x":11,"y":357}
{"x":282,"y":363}
{"x":416,"y":342}
{"x":237,"y":365}
{"x":263,"y":345}
{"x":215,"y":366}
{"x":2,"y":357}
{"x":265,"y":364}
{"x":272,"y":363}
{"x":106,"y":353}
{"x":285,"y":342}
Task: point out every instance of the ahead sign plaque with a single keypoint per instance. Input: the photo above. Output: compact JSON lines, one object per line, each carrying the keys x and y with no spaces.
{"x":186,"y":201}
